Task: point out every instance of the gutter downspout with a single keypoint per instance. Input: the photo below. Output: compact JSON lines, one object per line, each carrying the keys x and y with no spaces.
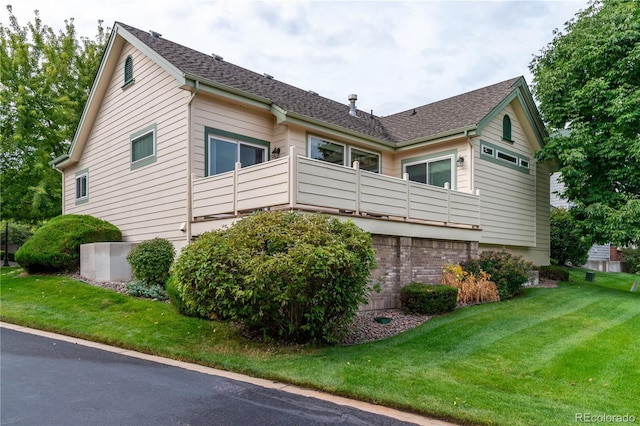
{"x":189,"y":162}
{"x":64,"y":186}
{"x":471,"y":168}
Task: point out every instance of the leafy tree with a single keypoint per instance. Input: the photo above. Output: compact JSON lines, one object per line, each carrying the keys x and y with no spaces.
{"x":45,"y":79}
{"x":568,"y":244}
{"x":587,"y":81}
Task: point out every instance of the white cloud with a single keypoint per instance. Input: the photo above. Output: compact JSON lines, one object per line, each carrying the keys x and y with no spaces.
{"x":394,"y":55}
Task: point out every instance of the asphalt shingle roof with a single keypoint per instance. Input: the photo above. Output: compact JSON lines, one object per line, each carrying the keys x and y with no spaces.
{"x":454,"y":113}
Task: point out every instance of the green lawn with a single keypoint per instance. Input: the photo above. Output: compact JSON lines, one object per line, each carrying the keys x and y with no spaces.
{"x":540,"y":358}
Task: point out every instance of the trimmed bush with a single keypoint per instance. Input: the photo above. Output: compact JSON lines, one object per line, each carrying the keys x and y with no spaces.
{"x":428,"y":299}
{"x":290,"y":276}
{"x":55,"y":246}
{"x":151,"y":261}
{"x":176,"y":300}
{"x":552,"y":272}
{"x":507,"y":270}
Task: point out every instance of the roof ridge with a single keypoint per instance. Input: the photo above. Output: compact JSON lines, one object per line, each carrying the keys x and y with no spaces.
{"x":448,"y":114}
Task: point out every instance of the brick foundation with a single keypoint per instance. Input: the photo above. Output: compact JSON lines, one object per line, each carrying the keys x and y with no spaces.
{"x":402,"y":260}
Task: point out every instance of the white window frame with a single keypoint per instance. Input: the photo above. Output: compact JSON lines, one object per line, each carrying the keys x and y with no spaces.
{"x":515,"y":161}
{"x":451,"y":158}
{"x":524,"y":163}
{"x":344,"y":146}
{"x":237,"y":143}
{"x":487,"y":150}
{"x":351,"y":148}
{"x":81,"y":198}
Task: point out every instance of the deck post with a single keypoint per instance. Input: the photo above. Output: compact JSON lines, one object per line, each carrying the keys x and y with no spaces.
{"x":356,"y":167}
{"x":446,"y":186}
{"x":293,"y":177}
{"x":235,"y":187}
{"x":405,"y":177}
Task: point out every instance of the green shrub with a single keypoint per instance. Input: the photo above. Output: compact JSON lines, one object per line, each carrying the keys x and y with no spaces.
{"x":632,"y":260}
{"x":568,"y":244}
{"x":10,"y":256}
{"x":291,"y":276}
{"x":18,"y":233}
{"x":176,"y":299}
{"x":55,"y":246}
{"x":151,"y":261}
{"x":142,"y":289}
{"x":508,"y":271}
{"x":428,"y":299}
{"x":553,"y":273}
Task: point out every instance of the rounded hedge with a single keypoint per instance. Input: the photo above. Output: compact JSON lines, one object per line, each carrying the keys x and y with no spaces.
{"x":151,"y":261}
{"x":507,"y":270}
{"x":428,"y":299}
{"x":290,"y":276}
{"x":55,"y":246}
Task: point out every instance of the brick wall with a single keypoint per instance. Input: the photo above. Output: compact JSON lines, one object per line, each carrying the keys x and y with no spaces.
{"x":402,"y":260}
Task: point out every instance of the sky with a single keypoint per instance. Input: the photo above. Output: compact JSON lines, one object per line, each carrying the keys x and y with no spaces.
{"x":395,"y":55}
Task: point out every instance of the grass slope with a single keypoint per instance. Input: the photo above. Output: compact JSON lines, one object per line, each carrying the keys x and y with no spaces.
{"x":541,"y":358}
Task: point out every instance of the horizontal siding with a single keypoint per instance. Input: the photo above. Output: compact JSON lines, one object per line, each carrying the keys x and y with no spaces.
{"x":150,"y":201}
{"x":508,"y":198}
{"x":222,"y":115}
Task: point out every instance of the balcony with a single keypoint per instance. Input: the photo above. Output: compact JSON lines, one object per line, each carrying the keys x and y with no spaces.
{"x":300,"y":183}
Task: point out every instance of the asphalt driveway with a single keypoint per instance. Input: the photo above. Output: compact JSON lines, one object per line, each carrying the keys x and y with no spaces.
{"x":47,"y":381}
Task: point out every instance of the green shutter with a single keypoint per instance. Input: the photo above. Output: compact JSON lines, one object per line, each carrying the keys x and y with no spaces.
{"x":128,"y":70}
{"x":506,"y":128}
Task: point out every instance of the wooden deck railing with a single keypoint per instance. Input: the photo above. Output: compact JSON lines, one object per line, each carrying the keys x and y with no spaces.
{"x":299,"y":182}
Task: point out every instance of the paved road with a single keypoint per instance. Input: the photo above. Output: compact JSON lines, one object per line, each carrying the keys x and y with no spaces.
{"x":45,"y":381}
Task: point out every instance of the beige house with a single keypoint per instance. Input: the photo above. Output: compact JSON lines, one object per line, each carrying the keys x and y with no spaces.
{"x":174,"y":142}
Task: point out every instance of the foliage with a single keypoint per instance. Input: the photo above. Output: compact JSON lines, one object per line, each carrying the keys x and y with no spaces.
{"x":45,"y":79}
{"x":587,"y":81}
{"x":468,"y":366}
{"x":176,"y":299}
{"x":55,"y":247}
{"x":151,"y":261}
{"x":632,"y":259}
{"x":18,"y":233}
{"x":508,"y":271}
{"x":552,"y":272}
{"x":143,"y":289}
{"x":291,"y":276}
{"x":427,"y":299}
{"x":568,"y":243}
{"x":472,"y":288}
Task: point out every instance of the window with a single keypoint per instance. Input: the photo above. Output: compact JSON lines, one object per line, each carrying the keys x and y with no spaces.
{"x":506,"y":128}
{"x":504,"y":157}
{"x":327,"y":151}
{"x":507,"y":157}
{"x":224,"y":153}
{"x":82,"y":186}
{"x":143,"y":147}
{"x":435,"y":172}
{"x":369,"y":161}
{"x":128,"y":71}
{"x":336,"y":153}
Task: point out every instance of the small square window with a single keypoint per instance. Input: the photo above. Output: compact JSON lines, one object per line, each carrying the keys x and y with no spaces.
{"x":143,"y":147}
{"x":524,"y":163}
{"x":487,"y":150}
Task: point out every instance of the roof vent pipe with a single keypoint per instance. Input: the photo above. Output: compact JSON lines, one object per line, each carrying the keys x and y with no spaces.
{"x":155,"y":34}
{"x":352,"y":108}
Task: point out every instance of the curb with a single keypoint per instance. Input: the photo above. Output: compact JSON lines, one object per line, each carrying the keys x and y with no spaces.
{"x":269,"y":384}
